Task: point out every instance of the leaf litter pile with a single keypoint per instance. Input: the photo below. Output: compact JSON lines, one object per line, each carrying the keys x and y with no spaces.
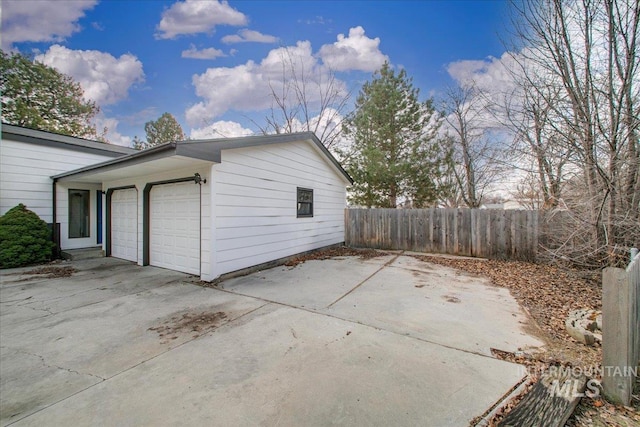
{"x":47,"y":272}
{"x":340,"y":251}
{"x":549,"y":293}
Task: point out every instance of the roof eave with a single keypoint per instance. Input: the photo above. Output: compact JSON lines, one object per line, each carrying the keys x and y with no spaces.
{"x":331,"y":158}
{"x":40,"y":137}
{"x":256,"y":140}
{"x":154,"y":153}
{"x":208,"y":150}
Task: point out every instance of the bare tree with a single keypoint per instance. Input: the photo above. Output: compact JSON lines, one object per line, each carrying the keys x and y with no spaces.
{"x":450,"y":195}
{"x":306,"y":100}
{"x":474,"y":152}
{"x":581,"y":60}
{"x":537,"y":146}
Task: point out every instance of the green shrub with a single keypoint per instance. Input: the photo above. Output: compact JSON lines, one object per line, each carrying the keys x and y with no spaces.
{"x":24,"y":238}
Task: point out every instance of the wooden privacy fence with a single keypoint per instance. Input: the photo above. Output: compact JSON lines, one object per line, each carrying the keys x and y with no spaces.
{"x":620,"y":331}
{"x":486,"y":233}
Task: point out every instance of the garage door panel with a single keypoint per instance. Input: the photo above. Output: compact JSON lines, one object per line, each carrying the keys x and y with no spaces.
{"x":124,"y":224}
{"x":175,"y":227}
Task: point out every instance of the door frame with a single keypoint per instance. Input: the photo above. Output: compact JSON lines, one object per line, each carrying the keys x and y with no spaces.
{"x":99,"y":217}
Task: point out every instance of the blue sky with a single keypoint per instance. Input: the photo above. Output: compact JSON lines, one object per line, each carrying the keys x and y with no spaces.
{"x":208,"y":63}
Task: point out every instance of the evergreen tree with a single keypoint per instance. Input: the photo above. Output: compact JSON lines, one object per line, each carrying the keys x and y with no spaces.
{"x":396,"y":156}
{"x":24,"y":238}
{"x":37,"y":96}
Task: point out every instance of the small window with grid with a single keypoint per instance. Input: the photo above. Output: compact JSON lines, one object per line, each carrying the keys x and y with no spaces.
{"x":305,"y":203}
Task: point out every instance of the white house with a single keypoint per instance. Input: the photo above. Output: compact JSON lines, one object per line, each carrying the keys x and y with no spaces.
{"x":28,"y":159}
{"x":209,"y":207}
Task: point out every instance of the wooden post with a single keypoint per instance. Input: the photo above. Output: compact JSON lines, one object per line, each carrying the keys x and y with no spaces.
{"x":617,"y":336}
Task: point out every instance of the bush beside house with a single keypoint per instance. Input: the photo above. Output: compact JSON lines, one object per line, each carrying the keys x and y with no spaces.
{"x":24,"y":238}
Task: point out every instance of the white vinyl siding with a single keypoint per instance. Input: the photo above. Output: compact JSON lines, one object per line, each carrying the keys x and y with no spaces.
{"x":256,"y":204}
{"x":26,"y":170}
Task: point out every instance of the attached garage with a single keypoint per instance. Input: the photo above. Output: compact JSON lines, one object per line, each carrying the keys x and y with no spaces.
{"x":174,"y":227}
{"x":213,"y":207}
{"x":124,"y":223}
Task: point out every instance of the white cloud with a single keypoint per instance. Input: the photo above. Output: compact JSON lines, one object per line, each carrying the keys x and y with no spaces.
{"x":224,"y":88}
{"x":197,"y":16}
{"x":104,"y":78}
{"x":300,"y":55}
{"x":327,"y":126}
{"x":247,"y":35}
{"x":490,"y":75}
{"x":41,"y":21}
{"x":493,"y":81}
{"x":113,"y":136}
{"x":317,"y":20}
{"x":248,"y":87}
{"x":220,"y":129}
{"x":354,"y":52}
{"x":208,"y":53}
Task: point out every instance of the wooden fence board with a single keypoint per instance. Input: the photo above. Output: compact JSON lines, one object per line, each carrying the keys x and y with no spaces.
{"x":486,"y":233}
{"x":620,"y":331}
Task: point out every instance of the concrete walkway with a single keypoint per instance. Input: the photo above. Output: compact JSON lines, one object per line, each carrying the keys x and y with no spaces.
{"x":386,"y":341}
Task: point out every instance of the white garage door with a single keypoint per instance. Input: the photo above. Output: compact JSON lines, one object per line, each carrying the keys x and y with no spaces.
{"x":124,"y":224}
{"x":174,"y":237}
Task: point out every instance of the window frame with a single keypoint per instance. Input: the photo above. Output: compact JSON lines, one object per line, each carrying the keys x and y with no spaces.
{"x":299,"y":191}
{"x":87,"y":207}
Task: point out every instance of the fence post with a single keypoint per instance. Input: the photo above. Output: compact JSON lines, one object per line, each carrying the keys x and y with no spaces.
{"x":619,"y":334}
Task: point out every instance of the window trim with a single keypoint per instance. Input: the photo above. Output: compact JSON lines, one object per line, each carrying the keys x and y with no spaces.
{"x":88,"y":212}
{"x":298,"y":214}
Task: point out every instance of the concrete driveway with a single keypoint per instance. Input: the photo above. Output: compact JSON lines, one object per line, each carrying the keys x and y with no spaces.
{"x":385,"y":341}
